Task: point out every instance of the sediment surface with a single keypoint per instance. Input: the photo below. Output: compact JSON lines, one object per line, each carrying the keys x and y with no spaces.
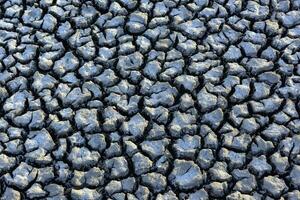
{"x":149,"y":99}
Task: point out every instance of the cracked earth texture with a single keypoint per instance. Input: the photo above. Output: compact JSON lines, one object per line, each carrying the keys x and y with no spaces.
{"x":149,"y":99}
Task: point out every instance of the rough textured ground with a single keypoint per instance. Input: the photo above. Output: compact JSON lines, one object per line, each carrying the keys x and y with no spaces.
{"x":160,"y":99}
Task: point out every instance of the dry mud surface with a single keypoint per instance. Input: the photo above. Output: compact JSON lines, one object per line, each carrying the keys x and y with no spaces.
{"x":149,"y":99}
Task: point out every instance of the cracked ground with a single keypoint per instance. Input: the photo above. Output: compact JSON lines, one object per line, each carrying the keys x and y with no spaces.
{"x":149,"y":99}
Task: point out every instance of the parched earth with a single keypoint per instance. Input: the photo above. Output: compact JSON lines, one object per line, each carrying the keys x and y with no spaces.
{"x":149,"y":99}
